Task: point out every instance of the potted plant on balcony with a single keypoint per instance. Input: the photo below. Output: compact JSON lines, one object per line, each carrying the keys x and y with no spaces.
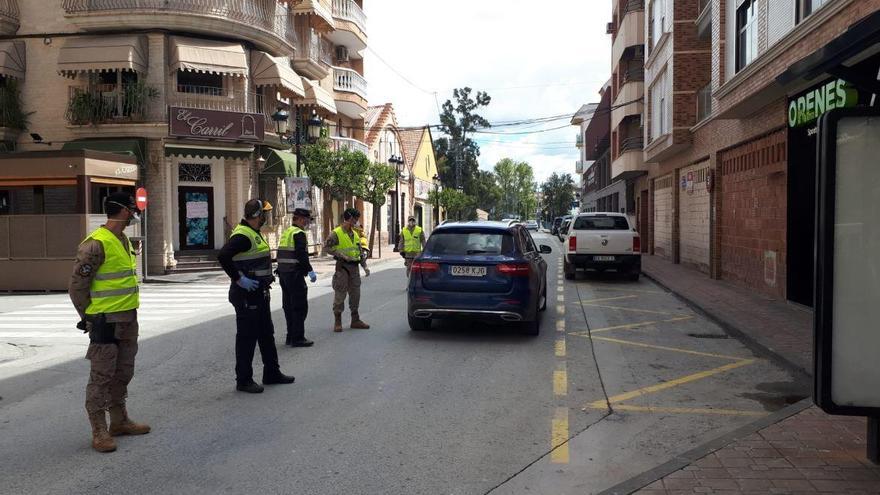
{"x":86,"y":107}
{"x":11,"y":114}
{"x":136,"y":98}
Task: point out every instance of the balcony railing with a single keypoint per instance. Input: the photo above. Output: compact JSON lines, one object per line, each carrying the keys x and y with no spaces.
{"x":632,"y":6}
{"x":107,"y":103}
{"x":9,"y":16}
{"x":635,"y":74}
{"x":579,"y":140}
{"x":315,"y":48}
{"x":348,"y":10}
{"x":704,"y":102}
{"x":635,"y":143}
{"x":269,"y":15}
{"x":579,"y":166}
{"x":213,"y":98}
{"x":349,"y":81}
{"x":341,"y":143}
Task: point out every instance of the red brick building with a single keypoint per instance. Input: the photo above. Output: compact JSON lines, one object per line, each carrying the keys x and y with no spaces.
{"x":733,"y":90}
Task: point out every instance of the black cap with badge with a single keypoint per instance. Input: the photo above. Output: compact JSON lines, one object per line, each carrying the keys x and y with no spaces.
{"x":302,"y":213}
{"x":116,"y":201}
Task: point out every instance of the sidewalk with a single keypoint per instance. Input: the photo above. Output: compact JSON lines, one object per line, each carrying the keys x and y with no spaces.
{"x":797,"y":450}
{"x":323,"y":266}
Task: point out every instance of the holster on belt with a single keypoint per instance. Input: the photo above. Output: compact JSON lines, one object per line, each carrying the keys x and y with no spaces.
{"x":101,"y":332}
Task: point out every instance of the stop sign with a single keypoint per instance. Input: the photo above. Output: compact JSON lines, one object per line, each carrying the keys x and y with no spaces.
{"x":141,"y":198}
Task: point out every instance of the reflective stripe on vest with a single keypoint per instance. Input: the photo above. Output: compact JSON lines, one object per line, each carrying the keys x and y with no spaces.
{"x":115,"y":287}
{"x":412,"y":241}
{"x":256,"y":262}
{"x":286,"y":248}
{"x":348,"y":245}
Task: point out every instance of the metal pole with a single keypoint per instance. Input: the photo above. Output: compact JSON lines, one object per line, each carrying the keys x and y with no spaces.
{"x":873,"y":440}
{"x":144,"y":250}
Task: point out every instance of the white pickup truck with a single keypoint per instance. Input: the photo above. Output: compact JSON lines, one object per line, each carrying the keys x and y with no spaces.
{"x":603,"y":241}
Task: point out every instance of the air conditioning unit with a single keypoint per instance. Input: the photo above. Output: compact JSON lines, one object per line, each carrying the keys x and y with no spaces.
{"x":342,"y":53}
{"x":609,"y":28}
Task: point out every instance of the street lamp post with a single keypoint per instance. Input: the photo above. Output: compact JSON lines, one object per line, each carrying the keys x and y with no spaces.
{"x":436,"y":180}
{"x":397,"y":161}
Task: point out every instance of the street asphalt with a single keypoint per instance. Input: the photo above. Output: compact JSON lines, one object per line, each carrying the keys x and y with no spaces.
{"x":622,"y":378}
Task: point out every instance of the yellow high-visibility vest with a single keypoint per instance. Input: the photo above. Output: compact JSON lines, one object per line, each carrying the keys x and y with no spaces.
{"x":286,"y":248}
{"x":115,"y":287}
{"x":256,"y":262}
{"x":412,"y":241}
{"x":348,"y":245}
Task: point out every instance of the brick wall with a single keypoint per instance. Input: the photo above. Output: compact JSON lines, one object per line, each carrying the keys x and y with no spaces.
{"x":693,"y":214}
{"x":752,"y":222}
{"x":663,"y":210}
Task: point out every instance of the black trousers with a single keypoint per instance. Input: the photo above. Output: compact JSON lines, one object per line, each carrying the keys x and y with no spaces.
{"x":295,"y":300}
{"x":253,"y":324}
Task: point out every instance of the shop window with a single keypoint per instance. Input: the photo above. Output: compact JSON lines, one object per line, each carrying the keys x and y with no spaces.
{"x":746,"y":33}
{"x":194,"y":172}
{"x":38,"y":200}
{"x":202,"y":83}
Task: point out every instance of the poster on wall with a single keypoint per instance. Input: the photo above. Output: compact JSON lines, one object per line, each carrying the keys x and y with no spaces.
{"x":298,"y":193}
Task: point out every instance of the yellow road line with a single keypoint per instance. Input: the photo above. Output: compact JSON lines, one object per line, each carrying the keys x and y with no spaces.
{"x":688,"y":410}
{"x":630,"y":326}
{"x":673,"y":349}
{"x":559,"y":437}
{"x":560,"y":382}
{"x":560,"y":346}
{"x":629,"y":309}
{"x":640,"y":291}
{"x":608,"y":299}
{"x":671,"y":383}
{"x":560,"y":325}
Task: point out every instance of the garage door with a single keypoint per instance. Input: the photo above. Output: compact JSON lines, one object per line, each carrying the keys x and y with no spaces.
{"x":663,"y":216}
{"x":693,"y":218}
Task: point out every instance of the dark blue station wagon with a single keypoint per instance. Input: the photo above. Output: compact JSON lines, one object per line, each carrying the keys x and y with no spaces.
{"x":479,"y":271}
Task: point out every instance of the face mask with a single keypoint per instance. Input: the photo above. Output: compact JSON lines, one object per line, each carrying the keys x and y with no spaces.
{"x":411,"y":224}
{"x":263,"y":220}
{"x":135,"y":218}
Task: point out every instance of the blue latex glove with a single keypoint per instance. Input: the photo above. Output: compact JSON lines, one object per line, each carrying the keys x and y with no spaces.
{"x":313,"y":277}
{"x":247,"y":284}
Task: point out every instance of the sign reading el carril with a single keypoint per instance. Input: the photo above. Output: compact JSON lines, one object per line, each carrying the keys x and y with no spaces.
{"x":215,"y":125}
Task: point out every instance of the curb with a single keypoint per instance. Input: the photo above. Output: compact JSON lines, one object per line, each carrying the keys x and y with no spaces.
{"x":681,"y":461}
{"x":749,"y":341}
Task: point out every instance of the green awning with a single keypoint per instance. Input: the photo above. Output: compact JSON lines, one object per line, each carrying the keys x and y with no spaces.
{"x":128,"y":147}
{"x":279,"y":164}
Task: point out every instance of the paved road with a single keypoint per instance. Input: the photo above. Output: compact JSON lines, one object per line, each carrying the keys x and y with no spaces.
{"x":622,"y":378}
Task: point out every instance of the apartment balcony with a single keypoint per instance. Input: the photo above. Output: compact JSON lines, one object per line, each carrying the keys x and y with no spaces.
{"x":579,"y":167}
{"x":314,"y":55}
{"x":631,"y":91}
{"x":579,"y":140}
{"x":320,"y":12}
{"x":351,"y":26}
{"x":9,"y":17}
{"x":112,"y":104}
{"x":13,"y":119}
{"x":630,"y":162}
{"x":351,"y":92}
{"x":631,"y":32}
{"x":266,"y":23}
{"x":341,"y":143}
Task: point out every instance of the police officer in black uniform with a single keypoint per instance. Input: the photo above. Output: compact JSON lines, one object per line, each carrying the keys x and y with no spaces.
{"x":293,"y":268}
{"x":247,"y":260}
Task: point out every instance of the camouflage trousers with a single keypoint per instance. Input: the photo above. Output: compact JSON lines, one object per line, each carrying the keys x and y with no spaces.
{"x":112,"y":369}
{"x":347,"y":282}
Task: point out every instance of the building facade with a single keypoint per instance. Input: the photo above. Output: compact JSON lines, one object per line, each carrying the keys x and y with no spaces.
{"x":211,"y":105}
{"x":734,"y":89}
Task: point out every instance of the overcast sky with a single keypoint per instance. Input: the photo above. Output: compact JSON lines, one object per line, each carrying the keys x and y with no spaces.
{"x":558,"y":49}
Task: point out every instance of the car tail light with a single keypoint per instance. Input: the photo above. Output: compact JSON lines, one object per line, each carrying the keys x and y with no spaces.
{"x":572,"y":243}
{"x":514,"y":269}
{"x":424,"y":266}
{"x":637,"y":244}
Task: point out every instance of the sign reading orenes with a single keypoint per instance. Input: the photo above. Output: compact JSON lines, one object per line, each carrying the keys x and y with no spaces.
{"x":216,"y":125}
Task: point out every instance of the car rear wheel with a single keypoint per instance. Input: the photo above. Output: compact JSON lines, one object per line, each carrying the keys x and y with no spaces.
{"x":568,"y":270}
{"x":633,"y":276}
{"x":419,"y":324}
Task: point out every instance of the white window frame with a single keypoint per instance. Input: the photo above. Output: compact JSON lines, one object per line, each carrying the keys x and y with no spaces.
{"x":659,"y":106}
{"x":747,"y":52}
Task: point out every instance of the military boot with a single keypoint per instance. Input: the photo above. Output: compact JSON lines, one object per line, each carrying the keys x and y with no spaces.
{"x":356,"y":322}
{"x":120,"y":424}
{"x":337,"y":325}
{"x":101,"y":439}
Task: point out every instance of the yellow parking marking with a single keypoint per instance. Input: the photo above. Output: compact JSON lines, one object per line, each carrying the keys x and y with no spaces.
{"x":688,"y":410}
{"x":673,"y":349}
{"x":591,"y":301}
{"x":640,"y":291}
{"x":560,"y":309}
{"x":559,"y":437}
{"x":631,"y":326}
{"x":671,"y":383}
{"x":634,"y":310}
{"x":560,"y":382}
{"x":560,"y":325}
{"x":560,"y":347}
{"x":560,"y":289}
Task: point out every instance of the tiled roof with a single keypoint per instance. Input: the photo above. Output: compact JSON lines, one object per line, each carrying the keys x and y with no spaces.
{"x":410,"y":139}
{"x":376,"y":119}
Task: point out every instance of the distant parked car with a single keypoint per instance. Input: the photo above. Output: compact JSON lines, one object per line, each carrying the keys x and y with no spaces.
{"x":479,"y":270}
{"x":603,"y":241}
{"x":532,"y":225}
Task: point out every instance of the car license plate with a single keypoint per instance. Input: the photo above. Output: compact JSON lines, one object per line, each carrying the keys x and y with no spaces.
{"x":468,"y":271}
{"x":603,"y":258}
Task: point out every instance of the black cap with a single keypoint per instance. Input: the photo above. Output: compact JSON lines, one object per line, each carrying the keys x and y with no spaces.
{"x":302,"y":213}
{"x":411,"y":218}
{"x":121,"y":199}
{"x":254,"y":207}
{"x":351,"y":213}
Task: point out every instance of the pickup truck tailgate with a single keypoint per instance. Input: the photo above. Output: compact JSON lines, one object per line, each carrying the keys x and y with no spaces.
{"x":600,"y":242}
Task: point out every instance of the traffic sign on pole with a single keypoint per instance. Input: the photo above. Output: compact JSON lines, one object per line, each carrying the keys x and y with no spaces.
{"x":141,"y":198}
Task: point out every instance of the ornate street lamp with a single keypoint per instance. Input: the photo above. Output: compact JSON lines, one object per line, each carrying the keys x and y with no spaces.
{"x":315,"y":125}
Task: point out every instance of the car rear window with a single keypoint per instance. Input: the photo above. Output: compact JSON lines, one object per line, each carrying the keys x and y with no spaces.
{"x":601,"y":223}
{"x":469,"y":242}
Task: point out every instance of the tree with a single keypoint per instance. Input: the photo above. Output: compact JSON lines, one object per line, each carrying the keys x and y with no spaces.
{"x":486,"y":193}
{"x":558,"y":191}
{"x":380,"y":178}
{"x":457,"y":204}
{"x":516,"y":180}
{"x":456,"y":149}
